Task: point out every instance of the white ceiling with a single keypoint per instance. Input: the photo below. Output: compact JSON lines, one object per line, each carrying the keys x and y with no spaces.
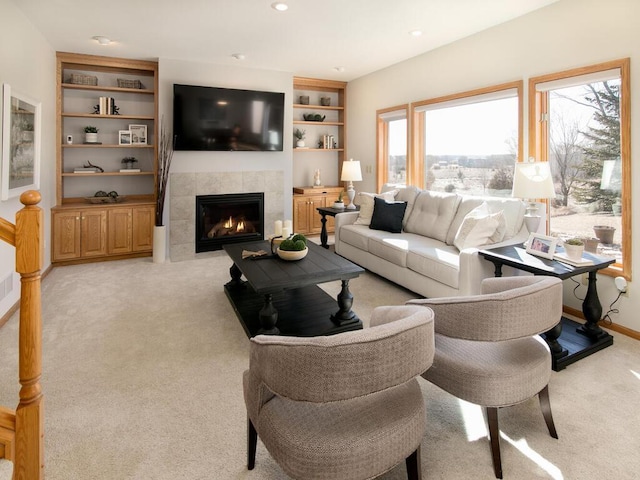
{"x":309,"y":39}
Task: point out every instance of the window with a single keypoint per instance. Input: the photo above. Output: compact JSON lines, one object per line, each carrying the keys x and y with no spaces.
{"x":579,"y":122}
{"x":392,"y":146}
{"x":469,"y":142}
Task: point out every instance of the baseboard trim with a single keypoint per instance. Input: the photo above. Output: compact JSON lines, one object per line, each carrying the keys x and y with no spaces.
{"x":611,"y":326}
{"x":14,"y":308}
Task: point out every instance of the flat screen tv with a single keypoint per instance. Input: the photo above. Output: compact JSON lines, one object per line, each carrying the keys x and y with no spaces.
{"x":224,"y":119}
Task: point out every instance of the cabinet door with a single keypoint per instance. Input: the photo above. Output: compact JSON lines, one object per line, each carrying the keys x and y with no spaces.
{"x":93,"y":233}
{"x":119,"y":236}
{"x":300,"y":214}
{"x":66,"y":235}
{"x":315,"y":219}
{"x":143,"y":222}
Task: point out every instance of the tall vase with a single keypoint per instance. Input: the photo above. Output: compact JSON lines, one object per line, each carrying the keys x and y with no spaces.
{"x":159,"y":244}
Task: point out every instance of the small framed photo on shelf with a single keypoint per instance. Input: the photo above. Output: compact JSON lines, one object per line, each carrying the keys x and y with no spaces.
{"x":138,"y":134}
{"x":124,"y":137}
{"x":542,"y":245}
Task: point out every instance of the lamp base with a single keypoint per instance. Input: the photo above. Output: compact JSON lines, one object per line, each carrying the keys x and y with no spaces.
{"x":351,"y":194}
{"x":532,"y":222}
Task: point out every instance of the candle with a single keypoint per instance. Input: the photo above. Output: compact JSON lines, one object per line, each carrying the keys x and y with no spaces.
{"x":286,"y":232}
{"x":278,"y":228}
{"x":287,"y":224}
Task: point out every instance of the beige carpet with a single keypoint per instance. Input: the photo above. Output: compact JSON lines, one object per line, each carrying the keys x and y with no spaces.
{"x":142,"y":379}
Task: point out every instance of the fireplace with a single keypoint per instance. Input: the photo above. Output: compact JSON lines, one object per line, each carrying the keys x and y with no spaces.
{"x":230,"y":218}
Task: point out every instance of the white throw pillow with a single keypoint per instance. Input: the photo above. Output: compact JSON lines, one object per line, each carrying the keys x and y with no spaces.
{"x":480,"y":227}
{"x":365,"y":200}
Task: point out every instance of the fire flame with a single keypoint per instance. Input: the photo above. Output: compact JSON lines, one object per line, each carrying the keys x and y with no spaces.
{"x":240,"y":227}
{"x":229,"y":223}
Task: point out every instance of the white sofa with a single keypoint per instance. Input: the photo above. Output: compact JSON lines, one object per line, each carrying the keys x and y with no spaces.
{"x":423,"y":257}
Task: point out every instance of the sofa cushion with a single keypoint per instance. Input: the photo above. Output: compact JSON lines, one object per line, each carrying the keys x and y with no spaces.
{"x":432,"y":214}
{"x":365,"y":201}
{"x":513,"y":209}
{"x":387,"y":215}
{"x":405,"y":194}
{"x":480,"y":228}
{"x":435,"y":260}
{"x":359,"y":235}
{"x":392,"y":247}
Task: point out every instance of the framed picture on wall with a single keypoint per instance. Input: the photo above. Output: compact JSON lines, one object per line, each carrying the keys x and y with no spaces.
{"x":138,"y":134}
{"x":20,"y":144}
{"x":124,"y":137}
{"x":542,"y":245}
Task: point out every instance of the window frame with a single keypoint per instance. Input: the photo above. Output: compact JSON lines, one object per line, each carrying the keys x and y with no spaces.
{"x":417,"y":121}
{"x":382,"y":144}
{"x":539,"y":143}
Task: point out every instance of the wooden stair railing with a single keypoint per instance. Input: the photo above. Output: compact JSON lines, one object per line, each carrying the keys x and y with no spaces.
{"x":21,"y":431}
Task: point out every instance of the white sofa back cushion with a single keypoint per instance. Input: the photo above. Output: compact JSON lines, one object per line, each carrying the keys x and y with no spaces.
{"x":432,"y":214}
{"x":405,"y":194}
{"x":513,"y":209}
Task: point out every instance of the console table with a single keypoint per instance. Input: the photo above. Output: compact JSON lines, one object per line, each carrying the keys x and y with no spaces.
{"x":574,"y":341}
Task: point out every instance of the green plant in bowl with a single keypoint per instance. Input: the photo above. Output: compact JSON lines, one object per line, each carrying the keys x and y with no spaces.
{"x":574,"y":241}
{"x":90,"y":129}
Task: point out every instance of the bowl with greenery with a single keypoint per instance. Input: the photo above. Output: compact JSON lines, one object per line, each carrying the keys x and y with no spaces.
{"x":574,"y":247}
{"x":294,"y":248}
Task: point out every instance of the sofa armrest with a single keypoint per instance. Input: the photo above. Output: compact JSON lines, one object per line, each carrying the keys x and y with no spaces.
{"x":341,"y":219}
{"x":474,"y":268}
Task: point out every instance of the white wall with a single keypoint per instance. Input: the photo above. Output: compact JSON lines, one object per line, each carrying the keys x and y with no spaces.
{"x":28,"y":65}
{"x":567,"y":34}
{"x":205,"y":74}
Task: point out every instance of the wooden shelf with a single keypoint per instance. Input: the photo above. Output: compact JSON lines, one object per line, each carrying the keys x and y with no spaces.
{"x":109,"y":145}
{"x":99,"y":88}
{"x":318,"y":149}
{"x":305,"y":122}
{"x":115,"y":117}
{"x":104,"y":174}
{"x":316,"y":107}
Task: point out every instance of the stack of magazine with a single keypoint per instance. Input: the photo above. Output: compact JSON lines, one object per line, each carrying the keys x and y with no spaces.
{"x":86,"y":170}
{"x":564,"y":258}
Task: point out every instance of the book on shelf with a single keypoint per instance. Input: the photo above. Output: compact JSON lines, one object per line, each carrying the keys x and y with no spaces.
{"x":129,"y":170}
{"x":562,"y":257}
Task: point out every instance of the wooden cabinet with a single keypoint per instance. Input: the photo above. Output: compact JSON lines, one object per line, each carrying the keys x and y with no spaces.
{"x":114,"y":95}
{"x":84,"y":234}
{"x":306,"y":219}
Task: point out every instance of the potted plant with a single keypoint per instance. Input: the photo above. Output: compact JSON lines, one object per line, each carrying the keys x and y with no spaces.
{"x":604,"y":233}
{"x":165,"y":155}
{"x":574,"y":248}
{"x":129,"y":162}
{"x":90,"y":134}
{"x":339,"y":203}
{"x":299,"y":134}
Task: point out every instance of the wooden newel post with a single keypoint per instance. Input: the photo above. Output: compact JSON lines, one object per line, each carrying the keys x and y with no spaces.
{"x":29,"y":443}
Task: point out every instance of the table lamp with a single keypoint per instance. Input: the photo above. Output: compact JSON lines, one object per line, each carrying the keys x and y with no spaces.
{"x":351,"y":173}
{"x":532,"y":180}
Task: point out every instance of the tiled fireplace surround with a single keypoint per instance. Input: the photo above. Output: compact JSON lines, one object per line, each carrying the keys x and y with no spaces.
{"x":183,"y":188}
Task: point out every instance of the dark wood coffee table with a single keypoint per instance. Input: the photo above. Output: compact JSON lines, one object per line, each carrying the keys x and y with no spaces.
{"x":574,"y":341}
{"x":282,"y":297}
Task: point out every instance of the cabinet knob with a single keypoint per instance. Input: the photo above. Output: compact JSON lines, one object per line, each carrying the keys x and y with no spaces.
{"x":311,"y":203}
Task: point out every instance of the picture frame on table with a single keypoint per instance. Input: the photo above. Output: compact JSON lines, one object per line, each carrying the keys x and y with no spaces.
{"x":542,"y":245}
{"x":138,"y":134}
{"x":124,"y":137}
{"x":21,"y":130}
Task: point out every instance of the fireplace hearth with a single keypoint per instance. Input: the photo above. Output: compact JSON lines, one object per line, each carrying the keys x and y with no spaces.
{"x":229,"y":218}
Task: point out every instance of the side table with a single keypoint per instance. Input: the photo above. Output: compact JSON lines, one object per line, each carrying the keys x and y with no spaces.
{"x":332,"y":212}
{"x":575,"y":341}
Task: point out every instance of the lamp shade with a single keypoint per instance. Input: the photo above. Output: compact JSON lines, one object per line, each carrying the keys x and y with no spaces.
{"x":533,"y":180}
{"x":351,"y":171}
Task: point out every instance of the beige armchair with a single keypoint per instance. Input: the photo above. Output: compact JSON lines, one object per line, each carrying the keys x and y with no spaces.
{"x":346,"y":406}
{"x":488,"y":350}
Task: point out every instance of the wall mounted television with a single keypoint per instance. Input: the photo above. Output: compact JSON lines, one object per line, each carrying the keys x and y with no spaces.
{"x":225,"y":119}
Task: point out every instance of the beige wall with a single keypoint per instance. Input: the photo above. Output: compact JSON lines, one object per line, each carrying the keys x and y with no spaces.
{"x":567,"y":34}
{"x":28,"y":65}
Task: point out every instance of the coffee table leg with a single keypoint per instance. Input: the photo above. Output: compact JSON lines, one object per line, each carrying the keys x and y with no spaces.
{"x":345,"y":301}
{"x":236,"y":275}
{"x":268,"y":317}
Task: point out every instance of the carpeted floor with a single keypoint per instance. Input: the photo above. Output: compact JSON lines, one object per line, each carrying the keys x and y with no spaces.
{"x":142,"y":380}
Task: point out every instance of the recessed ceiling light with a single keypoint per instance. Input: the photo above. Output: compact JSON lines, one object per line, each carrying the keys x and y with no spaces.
{"x":415,"y":33}
{"x":238,"y":56}
{"x":339,"y":69}
{"x":101,"y":40}
{"x":280,"y":6}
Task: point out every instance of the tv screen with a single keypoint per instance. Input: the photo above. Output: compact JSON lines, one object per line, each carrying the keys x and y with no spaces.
{"x":224,"y":119}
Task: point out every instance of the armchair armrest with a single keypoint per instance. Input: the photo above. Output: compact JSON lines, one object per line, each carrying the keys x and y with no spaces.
{"x":341,"y":219}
